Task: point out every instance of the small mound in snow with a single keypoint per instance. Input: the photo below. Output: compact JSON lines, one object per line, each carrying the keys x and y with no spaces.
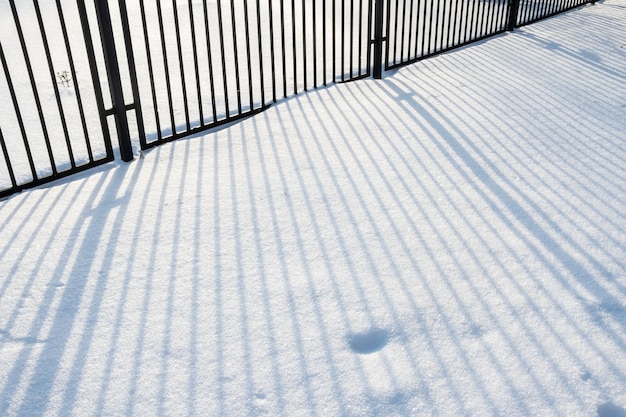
{"x":368,"y":342}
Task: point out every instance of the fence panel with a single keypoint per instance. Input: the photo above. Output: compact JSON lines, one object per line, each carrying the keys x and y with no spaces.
{"x":50,"y":121}
{"x":420,"y":28}
{"x":201,"y":64}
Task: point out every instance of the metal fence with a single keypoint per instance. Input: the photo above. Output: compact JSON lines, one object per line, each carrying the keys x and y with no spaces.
{"x":76,"y":75}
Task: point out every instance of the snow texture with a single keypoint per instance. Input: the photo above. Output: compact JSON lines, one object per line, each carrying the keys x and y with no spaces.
{"x":450,"y":240}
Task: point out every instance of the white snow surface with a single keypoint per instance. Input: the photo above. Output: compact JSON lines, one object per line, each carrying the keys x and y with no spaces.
{"x":448,"y":241}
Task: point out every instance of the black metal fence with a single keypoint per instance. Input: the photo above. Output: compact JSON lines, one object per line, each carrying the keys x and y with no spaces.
{"x":75,"y":73}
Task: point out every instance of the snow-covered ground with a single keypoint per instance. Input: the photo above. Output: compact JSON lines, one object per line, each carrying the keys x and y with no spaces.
{"x":450,"y":240}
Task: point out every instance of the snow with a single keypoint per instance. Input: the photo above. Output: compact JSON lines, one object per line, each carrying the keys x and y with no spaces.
{"x":450,"y":240}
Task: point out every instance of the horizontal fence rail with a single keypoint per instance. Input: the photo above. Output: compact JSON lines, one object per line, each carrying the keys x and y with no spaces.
{"x":150,"y":71}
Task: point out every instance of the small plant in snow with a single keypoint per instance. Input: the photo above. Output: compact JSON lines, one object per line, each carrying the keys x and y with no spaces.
{"x":64,"y":78}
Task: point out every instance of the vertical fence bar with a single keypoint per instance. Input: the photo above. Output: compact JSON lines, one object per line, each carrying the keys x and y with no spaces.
{"x":424,"y":20}
{"x":436,"y":25}
{"x":334,"y":41}
{"x":351,"y":64}
{"x":315,"y":85}
{"x":466,"y":23}
{"x":95,"y":76}
{"x":417,"y":28}
{"x":513,"y":11}
{"x":378,"y":39}
{"x":181,"y":64}
{"x":294,"y":46}
{"x":157,"y":118}
{"x":260,"y":45}
{"x":223,"y":56}
{"x":343,"y":40}
{"x":458,"y":15}
{"x":115,"y":83}
{"x":283,"y":45}
{"x":324,"y":43}
{"x":446,"y":39}
{"x":430,"y":25}
{"x":210,"y":59}
{"x":305,"y":68}
{"x":194,"y":46}
{"x":235,"y":55}
{"x":370,"y":19}
{"x":360,"y":47}
{"x":248,"y":57}
{"x":441,"y":24}
{"x":272,"y":50}
{"x":132,"y":71}
{"x":7,"y":160}
{"x":411,"y":31}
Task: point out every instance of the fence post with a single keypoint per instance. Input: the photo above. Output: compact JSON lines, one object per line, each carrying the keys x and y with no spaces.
{"x":512,"y":18}
{"x":115,"y":82}
{"x":378,"y":39}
